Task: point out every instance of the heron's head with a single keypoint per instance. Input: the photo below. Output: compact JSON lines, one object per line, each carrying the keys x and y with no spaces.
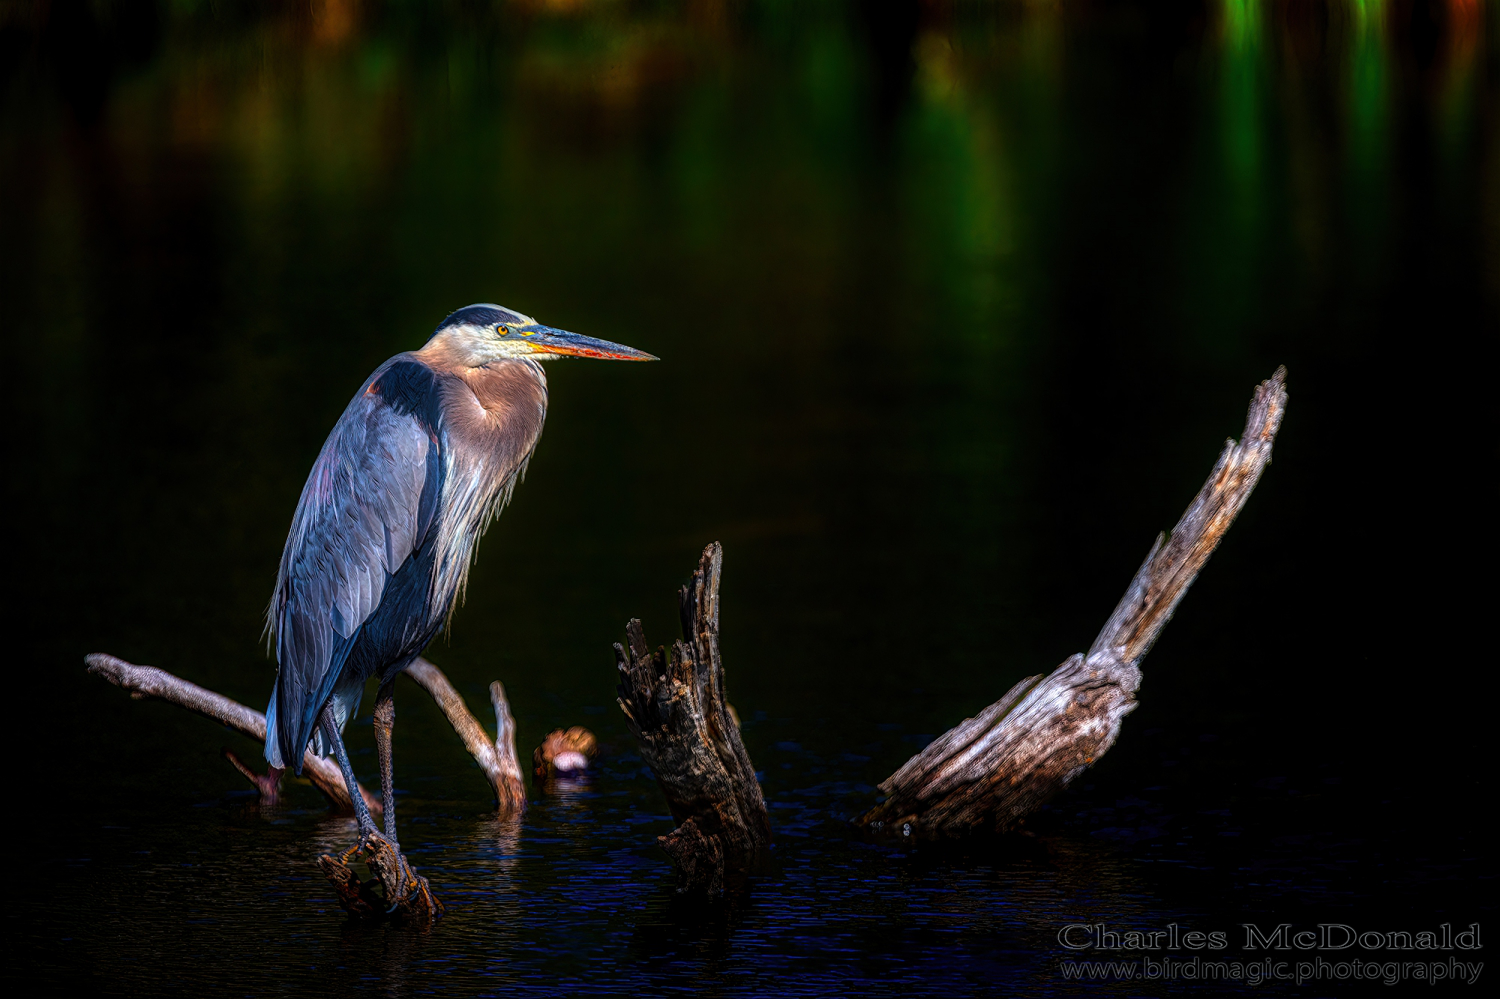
{"x":480,"y":334}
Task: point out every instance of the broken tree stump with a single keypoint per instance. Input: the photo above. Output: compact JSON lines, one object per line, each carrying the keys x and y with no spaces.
{"x":674,"y":705}
{"x":993,"y":769}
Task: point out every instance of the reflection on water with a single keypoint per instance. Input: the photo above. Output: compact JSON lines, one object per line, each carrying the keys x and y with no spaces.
{"x":956,"y":302}
{"x":549,"y":909}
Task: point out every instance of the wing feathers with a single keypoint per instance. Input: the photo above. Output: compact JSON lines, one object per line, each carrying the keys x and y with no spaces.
{"x":410,"y":443}
{"x":362,"y":514}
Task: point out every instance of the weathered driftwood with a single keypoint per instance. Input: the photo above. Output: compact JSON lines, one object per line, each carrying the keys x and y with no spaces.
{"x":564,"y":753}
{"x":146,"y":682}
{"x":496,"y":758}
{"x":992,"y":770}
{"x":393,"y":876}
{"x":674,"y":705}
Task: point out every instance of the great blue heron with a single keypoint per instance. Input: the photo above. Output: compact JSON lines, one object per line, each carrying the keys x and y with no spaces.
{"x":423,"y":459}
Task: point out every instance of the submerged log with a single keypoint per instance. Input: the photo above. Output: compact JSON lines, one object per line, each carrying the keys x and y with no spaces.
{"x":995,"y":768}
{"x":674,"y":705}
{"x":414,"y":901}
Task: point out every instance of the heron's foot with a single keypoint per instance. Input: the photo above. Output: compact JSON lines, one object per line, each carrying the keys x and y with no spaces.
{"x":370,"y":842}
{"x":416,"y":894}
{"x":396,"y":891}
{"x":406,"y":891}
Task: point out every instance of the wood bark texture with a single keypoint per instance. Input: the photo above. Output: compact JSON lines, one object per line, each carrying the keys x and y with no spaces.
{"x":993,"y":769}
{"x":393,"y":876}
{"x":674,"y":705}
{"x":497,"y":759}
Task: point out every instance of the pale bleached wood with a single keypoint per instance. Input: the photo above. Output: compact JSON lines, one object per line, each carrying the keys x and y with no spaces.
{"x":992,"y":770}
{"x":497,"y":758}
{"x":149,"y":682}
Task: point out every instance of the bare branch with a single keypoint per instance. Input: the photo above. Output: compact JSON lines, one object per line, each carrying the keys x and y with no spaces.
{"x":149,"y":682}
{"x":268,"y":784}
{"x":1170,"y":568}
{"x":513,"y":800}
{"x":498,"y":758}
{"x":992,"y":770}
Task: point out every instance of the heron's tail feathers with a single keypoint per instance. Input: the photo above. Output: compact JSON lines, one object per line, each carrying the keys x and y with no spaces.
{"x":278,"y":751}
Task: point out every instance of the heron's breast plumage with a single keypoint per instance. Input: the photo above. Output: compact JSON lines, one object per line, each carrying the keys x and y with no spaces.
{"x":492,"y":420}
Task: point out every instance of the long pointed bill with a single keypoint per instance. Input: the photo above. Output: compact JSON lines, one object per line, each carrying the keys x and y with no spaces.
{"x":553,"y":341}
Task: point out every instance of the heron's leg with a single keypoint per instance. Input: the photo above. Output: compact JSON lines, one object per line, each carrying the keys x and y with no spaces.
{"x":385,"y":721}
{"x":361,"y":812}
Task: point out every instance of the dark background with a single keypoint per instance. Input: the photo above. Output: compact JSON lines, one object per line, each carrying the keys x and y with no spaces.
{"x":956,"y":302}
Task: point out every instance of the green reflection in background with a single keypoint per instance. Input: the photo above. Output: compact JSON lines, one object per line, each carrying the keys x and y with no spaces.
{"x":274,"y":201}
{"x":732,"y":180}
{"x":1368,"y":114}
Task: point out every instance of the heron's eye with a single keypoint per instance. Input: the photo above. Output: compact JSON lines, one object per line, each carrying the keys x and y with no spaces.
{"x":503,"y":330}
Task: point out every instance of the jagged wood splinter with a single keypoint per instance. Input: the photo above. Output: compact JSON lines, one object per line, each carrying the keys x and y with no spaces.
{"x":995,"y":768}
{"x":674,"y":705}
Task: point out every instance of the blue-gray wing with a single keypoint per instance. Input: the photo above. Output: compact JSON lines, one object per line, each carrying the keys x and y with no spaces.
{"x":366,"y":508}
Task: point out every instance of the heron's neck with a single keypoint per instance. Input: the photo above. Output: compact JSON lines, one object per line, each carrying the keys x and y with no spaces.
{"x":499,"y":384}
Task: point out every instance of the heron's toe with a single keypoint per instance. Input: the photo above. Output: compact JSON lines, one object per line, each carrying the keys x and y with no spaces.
{"x":408,"y":884}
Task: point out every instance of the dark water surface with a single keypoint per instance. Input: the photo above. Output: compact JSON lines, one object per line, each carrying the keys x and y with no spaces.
{"x":956,"y":304}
